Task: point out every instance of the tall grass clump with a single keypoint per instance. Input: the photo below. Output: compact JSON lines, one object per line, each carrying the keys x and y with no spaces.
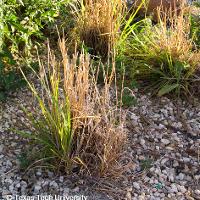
{"x":98,"y":24}
{"x":79,"y":127}
{"x":164,"y":55}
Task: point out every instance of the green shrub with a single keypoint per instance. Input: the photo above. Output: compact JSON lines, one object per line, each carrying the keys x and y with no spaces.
{"x":22,"y":23}
{"x":24,"y":20}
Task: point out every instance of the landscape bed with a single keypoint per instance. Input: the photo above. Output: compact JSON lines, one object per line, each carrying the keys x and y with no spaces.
{"x":99,"y":101}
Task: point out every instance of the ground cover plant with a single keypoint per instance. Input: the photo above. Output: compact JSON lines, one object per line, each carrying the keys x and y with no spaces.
{"x":79,"y":126}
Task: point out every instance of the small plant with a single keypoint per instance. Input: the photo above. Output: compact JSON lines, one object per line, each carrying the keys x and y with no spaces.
{"x":79,"y":127}
{"x":128,"y":98}
{"x":146,"y":164}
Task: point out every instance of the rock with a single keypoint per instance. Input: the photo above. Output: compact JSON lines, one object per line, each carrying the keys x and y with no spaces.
{"x":66,"y":191}
{"x":23,"y":184}
{"x":136,"y":185}
{"x":53,"y":184}
{"x":8,"y":164}
{"x":165,"y":141}
{"x":180,"y":177}
{"x":153,"y":5}
{"x":11,"y":188}
{"x":128,"y":196}
{"x":50,"y":174}
{"x":173,"y":188}
{"x":171,"y":175}
{"x":188,"y":178}
{"x":162,"y":195}
{"x":38,"y":173}
{"x":37,"y":189}
{"x":18,"y":185}
{"x":185,"y":159}
{"x":142,"y":142}
{"x":6,"y":115}
{"x":164,"y":160}
{"x":8,"y":180}
{"x":129,"y":189}
{"x":197,"y":192}
{"x":6,"y":192}
{"x":76,"y":189}
{"x":181,"y":188}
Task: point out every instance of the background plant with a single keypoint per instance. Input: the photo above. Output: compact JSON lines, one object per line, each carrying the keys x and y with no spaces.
{"x":22,"y":23}
{"x":163,"y":54}
{"x":97,"y":24}
{"x":23,"y":20}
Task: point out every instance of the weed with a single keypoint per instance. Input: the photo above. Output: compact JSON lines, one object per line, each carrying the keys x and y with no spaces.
{"x":146,"y":164}
{"x":21,"y":22}
{"x":128,"y":98}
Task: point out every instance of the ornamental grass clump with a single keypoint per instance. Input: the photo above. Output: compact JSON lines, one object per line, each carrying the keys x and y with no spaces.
{"x":164,"y":55}
{"x":79,"y":129}
{"x":97,"y":24}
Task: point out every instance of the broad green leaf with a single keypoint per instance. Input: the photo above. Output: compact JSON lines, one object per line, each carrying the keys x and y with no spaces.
{"x":167,"y":88}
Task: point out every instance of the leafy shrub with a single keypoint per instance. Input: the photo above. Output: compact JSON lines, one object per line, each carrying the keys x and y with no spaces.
{"x":163,"y":54}
{"x":23,"y":20}
{"x":79,"y":127}
{"x":20,"y":23}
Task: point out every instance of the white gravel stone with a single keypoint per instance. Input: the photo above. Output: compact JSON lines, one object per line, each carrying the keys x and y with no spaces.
{"x":197,"y":192}
{"x":8,"y":163}
{"x":66,"y":191}
{"x":182,"y":189}
{"x":180,"y":176}
{"x":54,"y":184}
{"x":37,"y":189}
{"x":165,"y":141}
{"x":142,"y":142}
{"x":61,"y":179}
{"x":128,"y":196}
{"x":173,"y":188}
{"x":136,"y":185}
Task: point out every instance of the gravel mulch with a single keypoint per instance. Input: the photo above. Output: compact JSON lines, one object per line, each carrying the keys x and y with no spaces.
{"x":163,"y":149}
